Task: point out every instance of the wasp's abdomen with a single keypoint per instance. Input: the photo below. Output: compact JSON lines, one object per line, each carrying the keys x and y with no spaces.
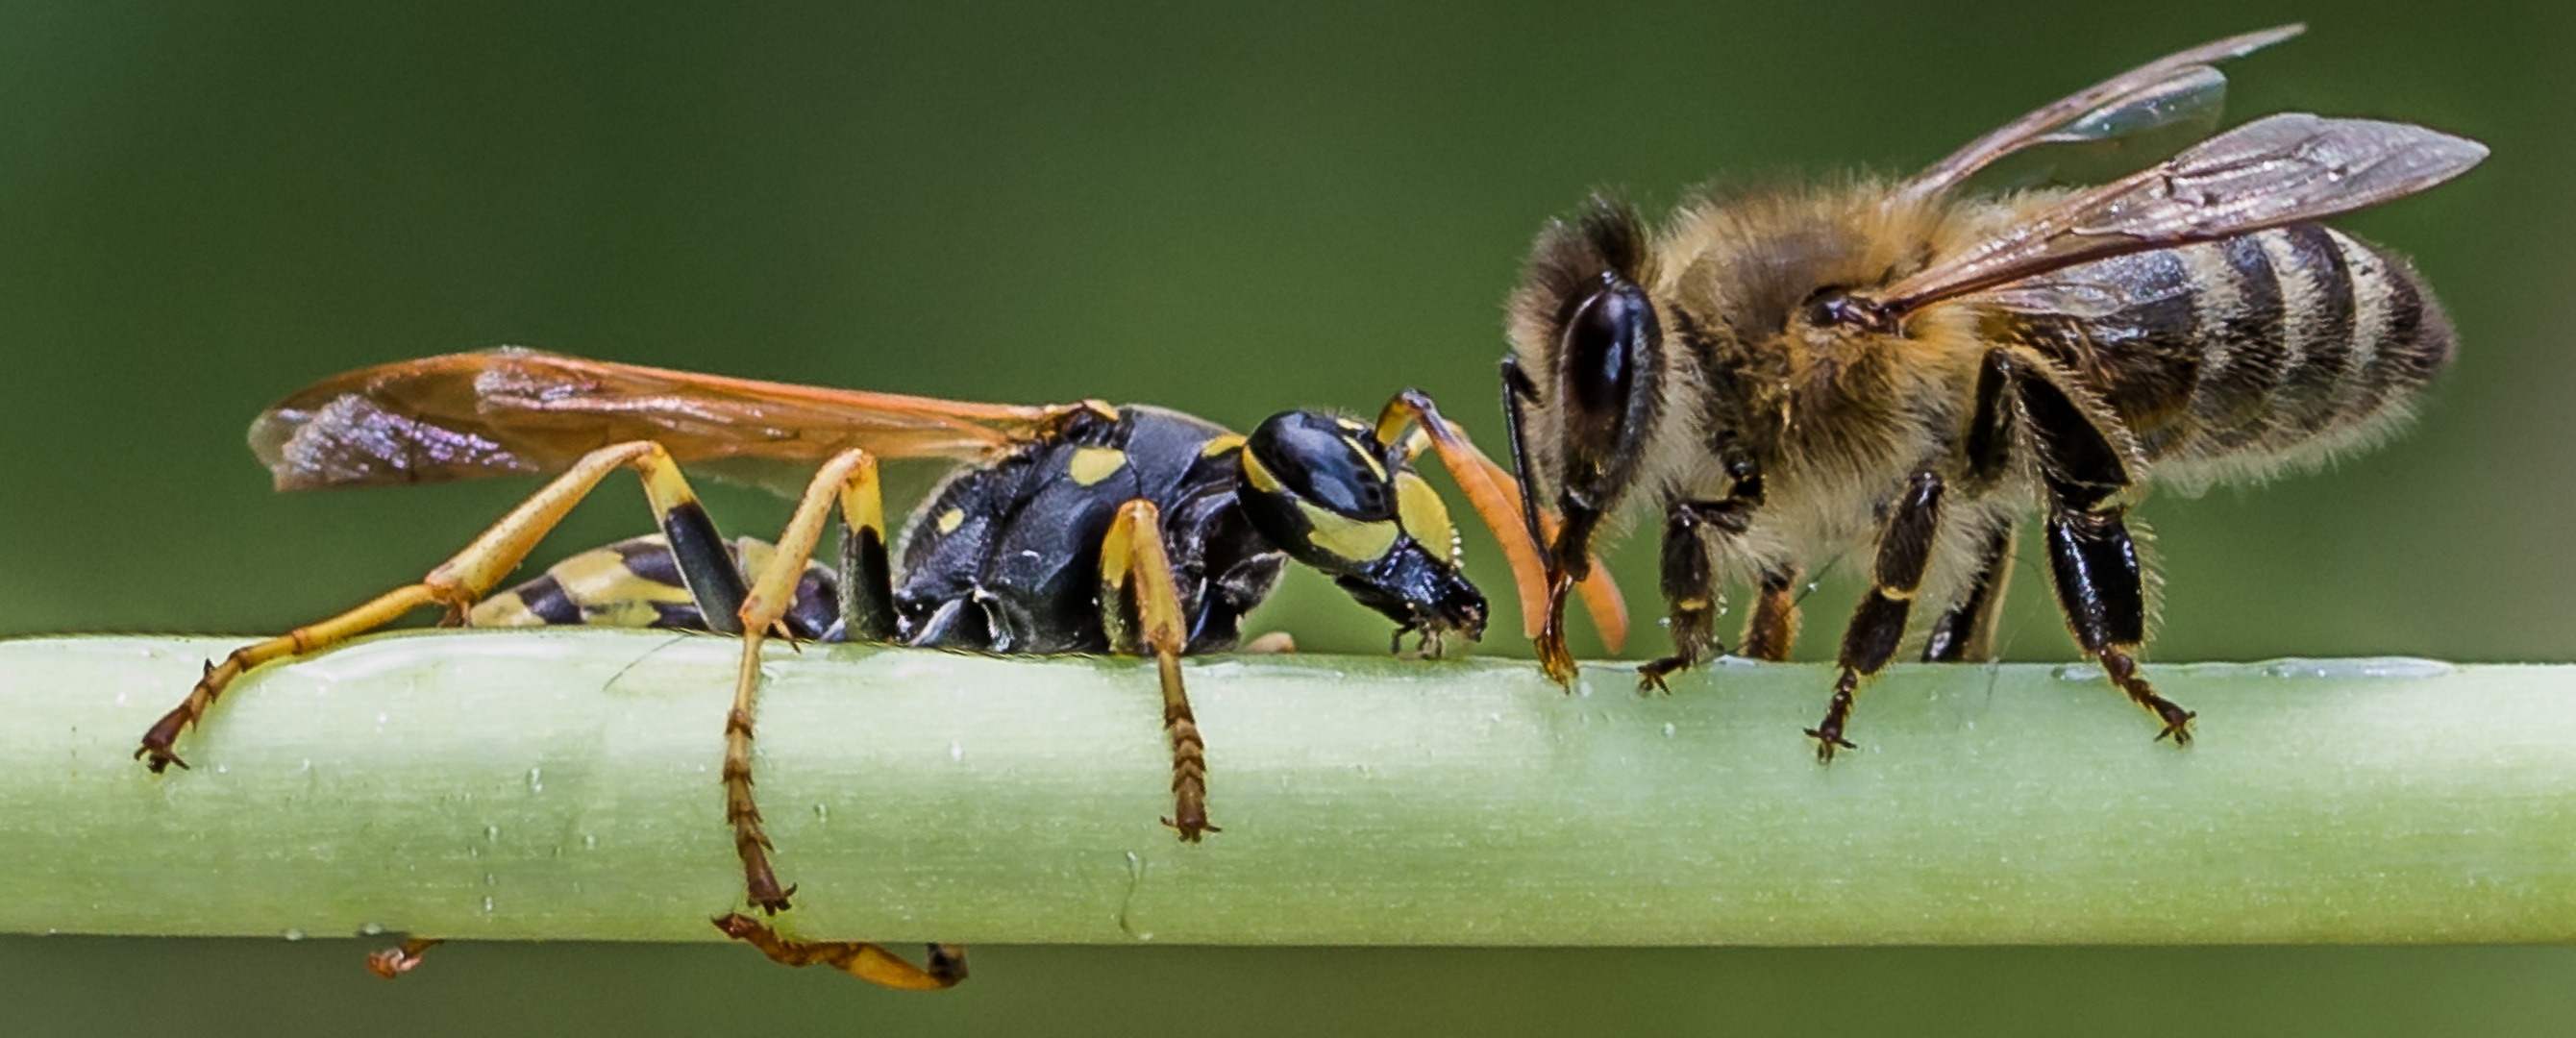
{"x":2264,"y":345}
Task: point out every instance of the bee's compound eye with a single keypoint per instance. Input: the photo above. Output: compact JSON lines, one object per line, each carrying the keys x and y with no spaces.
{"x":1607,"y":373}
{"x":1602,"y":340}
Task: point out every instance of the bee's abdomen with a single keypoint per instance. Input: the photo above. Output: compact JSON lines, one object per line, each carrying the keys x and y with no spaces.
{"x":2267,"y":344}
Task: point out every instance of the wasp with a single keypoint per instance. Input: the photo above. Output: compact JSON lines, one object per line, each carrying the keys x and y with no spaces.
{"x":1907,"y":368}
{"x":1075,"y":528}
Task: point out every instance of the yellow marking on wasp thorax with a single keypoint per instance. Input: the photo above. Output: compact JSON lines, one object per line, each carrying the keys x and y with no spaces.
{"x":1220,"y":445}
{"x":1259,"y":475}
{"x":1425,"y":516}
{"x":1092,"y":464}
{"x":951,"y":519}
{"x":1347,"y":538}
{"x":1102,"y":408}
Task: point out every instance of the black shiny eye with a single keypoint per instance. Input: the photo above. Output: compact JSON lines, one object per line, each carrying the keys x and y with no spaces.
{"x":1602,"y":346}
{"x":1325,"y":461}
{"x":1607,"y":371}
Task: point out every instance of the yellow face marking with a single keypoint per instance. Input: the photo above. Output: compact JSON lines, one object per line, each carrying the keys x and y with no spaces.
{"x":951,"y":519}
{"x":1347,"y":538}
{"x":1367,"y":456}
{"x":1092,"y":464}
{"x":1220,"y":445}
{"x":1259,"y":477}
{"x":1425,"y":516}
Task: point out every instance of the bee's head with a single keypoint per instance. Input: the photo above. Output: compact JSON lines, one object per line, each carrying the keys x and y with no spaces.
{"x":1588,"y":347}
{"x":1329,"y":494}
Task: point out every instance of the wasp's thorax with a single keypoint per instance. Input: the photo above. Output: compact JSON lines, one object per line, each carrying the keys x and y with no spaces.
{"x":1329,"y":494}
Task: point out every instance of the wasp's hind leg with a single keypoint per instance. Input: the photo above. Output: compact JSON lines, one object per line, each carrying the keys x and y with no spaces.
{"x":2091,"y":559}
{"x":1878,"y":624}
{"x":460,"y":581}
{"x":850,"y":479}
{"x":945,"y":964}
{"x":1141,"y":609}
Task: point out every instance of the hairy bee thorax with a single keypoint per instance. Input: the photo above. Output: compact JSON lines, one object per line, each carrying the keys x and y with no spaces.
{"x":1740,"y":370}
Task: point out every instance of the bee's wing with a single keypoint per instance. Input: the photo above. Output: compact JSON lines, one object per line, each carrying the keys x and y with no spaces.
{"x":2172,"y":89}
{"x":509,"y":411}
{"x":2278,"y":170}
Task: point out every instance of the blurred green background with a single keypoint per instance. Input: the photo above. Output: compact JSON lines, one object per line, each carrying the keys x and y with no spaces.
{"x":1232,"y":212}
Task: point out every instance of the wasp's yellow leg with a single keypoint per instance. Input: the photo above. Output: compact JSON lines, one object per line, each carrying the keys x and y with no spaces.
{"x":1141,"y":608}
{"x":1495,"y":494}
{"x":868,"y":962}
{"x":850,"y":478}
{"x":459,"y":581}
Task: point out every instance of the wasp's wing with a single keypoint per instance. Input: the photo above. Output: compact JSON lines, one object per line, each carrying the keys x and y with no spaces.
{"x":510,"y":411}
{"x":2172,"y":89}
{"x":2278,"y":170}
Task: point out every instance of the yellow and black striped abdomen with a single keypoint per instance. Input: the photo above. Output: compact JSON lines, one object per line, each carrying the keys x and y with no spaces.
{"x":2231,"y":357}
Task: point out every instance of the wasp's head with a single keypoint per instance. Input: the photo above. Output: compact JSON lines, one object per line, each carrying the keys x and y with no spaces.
{"x":1329,"y":494}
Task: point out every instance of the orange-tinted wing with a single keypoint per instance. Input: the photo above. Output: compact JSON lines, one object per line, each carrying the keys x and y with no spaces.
{"x":514,"y":411}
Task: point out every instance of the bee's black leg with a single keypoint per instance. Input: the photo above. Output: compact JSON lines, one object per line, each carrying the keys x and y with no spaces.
{"x":1690,"y":582}
{"x":1140,"y":607}
{"x":1966,"y":631}
{"x":480,"y":566}
{"x":1878,"y":625}
{"x":1772,"y":630}
{"x":850,"y":478}
{"x":945,"y":965}
{"x":2091,"y":559}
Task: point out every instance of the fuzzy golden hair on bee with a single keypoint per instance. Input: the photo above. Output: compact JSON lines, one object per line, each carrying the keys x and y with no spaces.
{"x":1901,"y":369}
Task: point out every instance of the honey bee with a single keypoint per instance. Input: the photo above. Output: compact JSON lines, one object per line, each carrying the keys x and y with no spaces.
{"x":1072,"y":528}
{"x":1787,"y":374}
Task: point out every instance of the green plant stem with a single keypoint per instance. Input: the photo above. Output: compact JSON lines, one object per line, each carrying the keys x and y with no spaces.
{"x":563,"y":785}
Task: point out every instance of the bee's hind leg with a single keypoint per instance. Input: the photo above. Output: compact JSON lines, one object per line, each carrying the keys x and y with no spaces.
{"x":2091,"y":559}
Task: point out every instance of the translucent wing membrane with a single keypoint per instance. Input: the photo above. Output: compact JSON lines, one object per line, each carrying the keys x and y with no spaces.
{"x":512,"y":411}
{"x":2279,"y":170}
{"x":2174,"y":89}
